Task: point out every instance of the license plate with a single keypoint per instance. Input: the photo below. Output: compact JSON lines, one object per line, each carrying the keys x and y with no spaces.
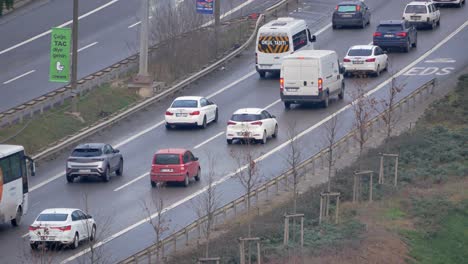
{"x":167,"y":170}
{"x":388,"y":35}
{"x":85,"y":171}
{"x":347,"y":15}
{"x":43,"y":238}
{"x":181,"y":115}
{"x":415,"y":17}
{"x":358,"y":62}
{"x":243,"y":134}
{"x":292,"y":89}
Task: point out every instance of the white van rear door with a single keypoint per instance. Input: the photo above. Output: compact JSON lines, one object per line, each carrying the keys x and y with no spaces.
{"x":271,"y":48}
{"x":309,"y":77}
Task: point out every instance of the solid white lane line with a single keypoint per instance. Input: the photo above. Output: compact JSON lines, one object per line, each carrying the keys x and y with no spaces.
{"x":231,"y":85}
{"x":60,"y":26}
{"x":19,"y":76}
{"x":123,"y":231}
{"x":208,"y":140}
{"x":134,"y":24}
{"x":39,"y":185}
{"x":88,"y":46}
{"x":25,"y":235}
{"x":132,"y":181}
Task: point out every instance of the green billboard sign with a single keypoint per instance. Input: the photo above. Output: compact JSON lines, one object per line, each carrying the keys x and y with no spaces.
{"x":60,"y":43}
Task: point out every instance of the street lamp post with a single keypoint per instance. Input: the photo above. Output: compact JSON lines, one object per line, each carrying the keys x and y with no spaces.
{"x":74,"y":72}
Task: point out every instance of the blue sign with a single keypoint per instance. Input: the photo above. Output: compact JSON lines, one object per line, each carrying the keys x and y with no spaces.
{"x":205,"y":6}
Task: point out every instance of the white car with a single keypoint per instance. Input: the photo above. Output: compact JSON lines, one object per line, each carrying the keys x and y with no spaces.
{"x":421,"y":14}
{"x":251,"y":123}
{"x":457,"y":3}
{"x":65,"y":226}
{"x":191,"y":110}
{"x":365,"y":59}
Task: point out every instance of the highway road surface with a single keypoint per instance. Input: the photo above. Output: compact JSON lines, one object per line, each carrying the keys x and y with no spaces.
{"x":117,"y":205}
{"x":108,"y":33}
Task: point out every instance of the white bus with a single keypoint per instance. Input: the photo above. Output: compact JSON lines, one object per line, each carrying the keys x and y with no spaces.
{"x":277,"y":39}
{"x":14,"y":183}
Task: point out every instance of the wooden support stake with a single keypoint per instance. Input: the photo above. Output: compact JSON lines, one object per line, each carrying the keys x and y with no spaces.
{"x":396,"y":172}
{"x":381,"y":170}
{"x":337,"y":209}
{"x":302,"y":232}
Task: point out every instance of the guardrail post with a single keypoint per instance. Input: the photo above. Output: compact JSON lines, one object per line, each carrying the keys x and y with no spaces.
{"x":277,"y":187}
{"x":175,"y":243}
{"x":135,"y":259}
{"x":199,"y":228}
{"x":266,"y":191}
{"x":256,"y":197}
{"x":148,"y":252}
{"x":234,"y":207}
{"x":186,"y":236}
{"x":286,"y":182}
{"x":225,"y":213}
{"x":414,"y":101}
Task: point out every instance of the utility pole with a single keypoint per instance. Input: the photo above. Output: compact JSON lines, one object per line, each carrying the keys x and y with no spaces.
{"x":217,"y":12}
{"x":74,"y":72}
{"x":143,"y":76}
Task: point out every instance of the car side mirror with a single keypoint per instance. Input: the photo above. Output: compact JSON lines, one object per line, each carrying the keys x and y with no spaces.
{"x":116,"y":151}
{"x":32,"y":165}
{"x":195,"y":159}
{"x":273,"y":116}
{"x":312,"y":38}
{"x":384,"y":52}
{"x":89,"y":216}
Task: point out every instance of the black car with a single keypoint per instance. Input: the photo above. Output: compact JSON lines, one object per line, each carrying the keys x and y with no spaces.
{"x":351,"y":13}
{"x":395,"y":34}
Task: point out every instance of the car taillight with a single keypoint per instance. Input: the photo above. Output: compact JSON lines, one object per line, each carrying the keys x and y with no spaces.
{"x":182,"y":167}
{"x":370,"y":60}
{"x":33,"y":228}
{"x":195,"y":113}
{"x":169,"y":113}
{"x":336,"y":8}
{"x":62,"y":228}
{"x":257,"y":123}
{"x":377,"y":34}
{"x":281,"y":84}
{"x":346,"y":60}
{"x":320,"y":84}
{"x":402,"y":34}
{"x":230,"y":123}
{"x":358,"y":8}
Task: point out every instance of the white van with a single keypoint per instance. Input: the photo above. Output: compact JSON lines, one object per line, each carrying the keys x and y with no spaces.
{"x":274,"y":42}
{"x":311,"y":76}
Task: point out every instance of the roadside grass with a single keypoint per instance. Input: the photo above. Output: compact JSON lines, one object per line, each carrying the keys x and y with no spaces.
{"x":42,"y":130}
{"x":432,"y":154}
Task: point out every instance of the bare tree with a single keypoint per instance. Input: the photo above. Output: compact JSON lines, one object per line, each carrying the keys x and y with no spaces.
{"x":158,"y":223}
{"x":207,"y":203}
{"x":331,"y":130}
{"x":293,"y":160}
{"x":362,"y":107}
{"x":387,"y":104}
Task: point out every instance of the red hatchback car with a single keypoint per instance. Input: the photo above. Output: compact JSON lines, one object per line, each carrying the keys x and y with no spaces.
{"x":174,"y":165}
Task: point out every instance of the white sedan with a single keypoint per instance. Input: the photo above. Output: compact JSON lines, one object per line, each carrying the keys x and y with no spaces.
{"x":62,"y":226}
{"x":365,"y":59}
{"x":251,"y":123}
{"x":191,"y":110}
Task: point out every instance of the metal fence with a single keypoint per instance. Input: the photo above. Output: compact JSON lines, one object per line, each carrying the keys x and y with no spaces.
{"x":174,"y":241}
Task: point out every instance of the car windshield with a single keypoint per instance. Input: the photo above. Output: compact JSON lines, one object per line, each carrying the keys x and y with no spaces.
{"x":52,"y":217}
{"x":346,"y":8}
{"x":245,"y":117}
{"x":165,"y":159}
{"x":360,"y":52}
{"x":86,"y":152}
{"x":418,"y":9}
{"x":389,"y":28}
{"x":184,"y":104}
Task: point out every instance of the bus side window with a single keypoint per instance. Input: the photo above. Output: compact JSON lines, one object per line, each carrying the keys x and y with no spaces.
{"x":300,"y":39}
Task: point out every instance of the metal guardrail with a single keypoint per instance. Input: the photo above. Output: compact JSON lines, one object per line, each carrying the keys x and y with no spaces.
{"x":123,"y":113}
{"x":319,"y":159}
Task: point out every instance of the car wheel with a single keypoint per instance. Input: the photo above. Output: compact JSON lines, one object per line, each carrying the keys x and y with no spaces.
{"x":262,"y":74}
{"x":34,"y":245}
{"x":168,"y":126}
{"x":407,"y":47}
{"x":197,"y":177}
{"x":377,"y":72}
{"x":334,"y":26}
{"x":216,"y":116}
{"x":438,"y":22}
{"x":17,"y":220}
{"x":93,"y":233}
{"x":70,"y":178}
{"x":363,"y":23}
{"x":119,"y":171}
{"x":341,"y":94}
{"x":106,"y":175}
{"x":287,"y":105}
{"x":153,"y":184}
{"x":326,"y":102}
{"x":415,"y":44}
{"x":275,"y":134}
{"x":186,"y":181}
{"x":264,"y":138}
{"x":229,"y":141}
{"x":433,"y":24}
{"x":204,"y":122}
{"x":76,"y":241}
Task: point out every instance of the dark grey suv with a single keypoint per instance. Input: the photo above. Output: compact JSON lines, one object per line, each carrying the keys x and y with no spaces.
{"x":94,"y":159}
{"x":351,"y":13}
